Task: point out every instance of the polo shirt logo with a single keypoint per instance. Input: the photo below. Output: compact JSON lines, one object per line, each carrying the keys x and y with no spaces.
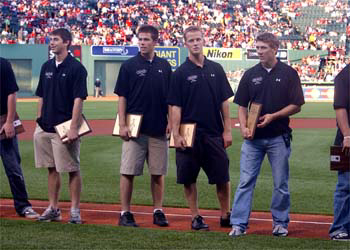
{"x":257,"y":80}
{"x":278,"y":79}
{"x":63,"y":75}
{"x":141,"y":72}
{"x":160,"y":71}
{"x":48,"y":75}
{"x":212,"y":75}
{"x":192,"y":78}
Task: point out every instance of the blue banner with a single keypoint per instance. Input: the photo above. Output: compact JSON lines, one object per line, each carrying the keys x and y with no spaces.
{"x":171,"y":54}
{"x":114,"y":50}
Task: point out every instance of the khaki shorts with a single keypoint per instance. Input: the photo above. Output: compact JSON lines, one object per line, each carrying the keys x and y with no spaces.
{"x":136,"y":151}
{"x":50,"y":152}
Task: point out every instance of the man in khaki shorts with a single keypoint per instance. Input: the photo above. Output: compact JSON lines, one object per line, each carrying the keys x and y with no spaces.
{"x":142,"y":87}
{"x":61,"y":91}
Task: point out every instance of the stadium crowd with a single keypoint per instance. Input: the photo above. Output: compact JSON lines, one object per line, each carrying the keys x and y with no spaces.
{"x":227,"y":23}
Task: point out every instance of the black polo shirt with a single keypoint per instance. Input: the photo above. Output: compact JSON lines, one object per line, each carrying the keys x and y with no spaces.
{"x":274,"y":90}
{"x":8,"y":84}
{"x":341,"y":95}
{"x":200,"y":93}
{"x":59,"y":86}
{"x":145,"y":85}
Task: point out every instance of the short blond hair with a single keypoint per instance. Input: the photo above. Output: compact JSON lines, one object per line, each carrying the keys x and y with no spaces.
{"x":192,"y":29}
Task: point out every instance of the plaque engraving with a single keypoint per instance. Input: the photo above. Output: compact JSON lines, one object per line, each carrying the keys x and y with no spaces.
{"x":253,"y":117}
{"x":133,"y":121}
{"x":187,"y":131}
{"x":62,"y":129}
{"x":339,"y":160}
{"x":17,"y":124}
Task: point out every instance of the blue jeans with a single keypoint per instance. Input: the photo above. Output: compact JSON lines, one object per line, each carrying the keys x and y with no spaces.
{"x":341,"y":221}
{"x":11,"y":160}
{"x":252,"y":155}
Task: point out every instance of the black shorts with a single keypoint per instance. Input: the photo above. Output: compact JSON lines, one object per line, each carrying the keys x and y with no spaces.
{"x":209,"y":153}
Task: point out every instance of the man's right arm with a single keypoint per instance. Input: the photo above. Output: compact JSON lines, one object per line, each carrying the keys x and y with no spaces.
{"x":175,"y":120}
{"x":123,"y":128}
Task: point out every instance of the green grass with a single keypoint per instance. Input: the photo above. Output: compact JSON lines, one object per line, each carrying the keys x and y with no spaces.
{"x":107,"y":110}
{"x":310,"y":178}
{"x":35,"y":235}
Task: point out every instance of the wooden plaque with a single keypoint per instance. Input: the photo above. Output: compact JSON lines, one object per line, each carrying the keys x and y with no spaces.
{"x":62,"y":129}
{"x":253,"y":116}
{"x":133,"y":121}
{"x":17,"y":124}
{"x":339,"y":161}
{"x":187,"y":131}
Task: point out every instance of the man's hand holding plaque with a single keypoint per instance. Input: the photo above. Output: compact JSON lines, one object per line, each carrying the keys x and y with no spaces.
{"x":184,"y":138}
{"x":252,"y":122}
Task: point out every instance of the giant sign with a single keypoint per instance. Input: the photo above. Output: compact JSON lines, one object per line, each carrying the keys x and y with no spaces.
{"x":171,"y":54}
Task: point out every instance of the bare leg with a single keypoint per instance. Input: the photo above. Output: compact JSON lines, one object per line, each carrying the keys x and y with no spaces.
{"x":157,"y":188}
{"x":54,"y":185}
{"x":126,"y":188}
{"x":224,"y":193}
{"x":75,"y":188}
{"x":191,"y":196}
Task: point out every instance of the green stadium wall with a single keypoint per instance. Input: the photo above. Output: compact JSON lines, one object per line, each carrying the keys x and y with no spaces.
{"x":26,"y":61}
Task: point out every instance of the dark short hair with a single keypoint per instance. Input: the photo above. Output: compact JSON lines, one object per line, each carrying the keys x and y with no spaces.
{"x":268,"y":38}
{"x":192,"y":29}
{"x":64,"y":34}
{"x":149,"y":29}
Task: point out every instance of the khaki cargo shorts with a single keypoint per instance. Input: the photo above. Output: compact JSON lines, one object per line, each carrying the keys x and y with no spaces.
{"x":50,"y":152}
{"x":152,"y":149}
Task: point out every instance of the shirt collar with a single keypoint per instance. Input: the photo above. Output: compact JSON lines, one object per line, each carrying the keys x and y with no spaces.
{"x":144,"y":60}
{"x":194,"y":66}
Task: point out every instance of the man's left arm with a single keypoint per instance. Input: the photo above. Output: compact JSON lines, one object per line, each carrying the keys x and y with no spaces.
{"x":8,"y":127}
{"x":227,"y":134}
{"x":76,"y":120}
{"x":343,"y":124}
{"x":289,"y":110}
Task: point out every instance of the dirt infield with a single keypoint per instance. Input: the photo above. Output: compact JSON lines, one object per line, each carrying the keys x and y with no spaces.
{"x":105,"y":127}
{"x":301,"y":225}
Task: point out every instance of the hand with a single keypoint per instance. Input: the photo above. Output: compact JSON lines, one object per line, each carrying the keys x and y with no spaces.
{"x":227,"y":136}
{"x":246,"y":133}
{"x":180,"y":142}
{"x":346,"y":145}
{"x":72,"y":135}
{"x":265,"y":120}
{"x":8,"y":129}
{"x":124,"y":133}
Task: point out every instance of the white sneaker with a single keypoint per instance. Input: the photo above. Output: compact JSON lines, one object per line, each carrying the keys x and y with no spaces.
{"x":236,"y":232}
{"x":75,"y":216}
{"x":279,"y":230}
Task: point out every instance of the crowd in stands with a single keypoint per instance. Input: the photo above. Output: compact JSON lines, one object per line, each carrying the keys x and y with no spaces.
{"x":227,"y":23}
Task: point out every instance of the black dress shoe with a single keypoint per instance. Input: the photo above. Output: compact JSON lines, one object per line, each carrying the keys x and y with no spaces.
{"x":160,"y":219}
{"x":127,"y":220}
{"x":198,"y":223}
{"x":225,"y":222}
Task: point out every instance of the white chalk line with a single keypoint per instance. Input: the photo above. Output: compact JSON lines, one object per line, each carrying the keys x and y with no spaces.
{"x":181,"y":215}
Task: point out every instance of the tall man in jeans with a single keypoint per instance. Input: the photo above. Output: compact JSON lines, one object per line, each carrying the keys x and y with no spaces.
{"x":9,"y":145}
{"x":277,"y":87}
{"x":340,"y":229}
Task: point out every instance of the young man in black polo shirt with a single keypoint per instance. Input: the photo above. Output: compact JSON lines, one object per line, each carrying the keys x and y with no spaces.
{"x":61,"y":91}
{"x":9,"y":152}
{"x":199,"y":94}
{"x":277,"y":87}
{"x":142,"y":87}
{"x":340,"y":229}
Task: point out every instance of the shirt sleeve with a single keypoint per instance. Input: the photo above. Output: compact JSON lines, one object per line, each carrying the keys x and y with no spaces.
{"x":242,"y":96}
{"x":295,"y":94}
{"x":122,"y":84}
{"x":39,"y":89}
{"x":226,"y":90}
{"x":175,"y":90}
{"x":9,"y":78}
{"x":341,"y":89}
{"x":80,"y":85}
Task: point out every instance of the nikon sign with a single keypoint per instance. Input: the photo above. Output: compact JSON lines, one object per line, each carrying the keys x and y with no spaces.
{"x":223,"y":53}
